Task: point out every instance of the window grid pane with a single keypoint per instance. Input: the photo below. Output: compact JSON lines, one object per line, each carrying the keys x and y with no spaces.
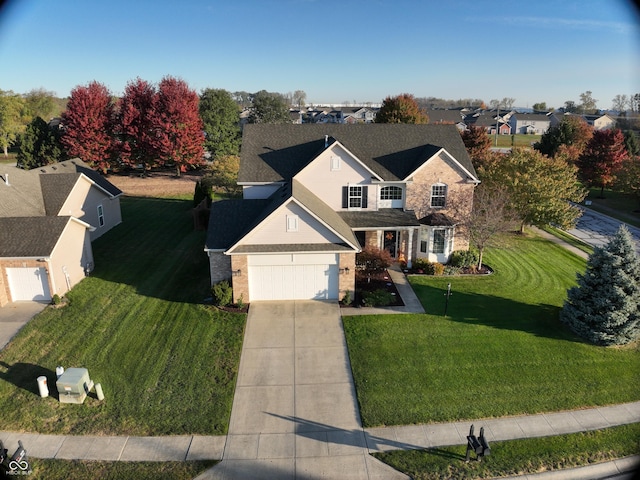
{"x":438,"y":195}
{"x":438,"y":241}
{"x":391,"y":193}
{"x":355,"y":197}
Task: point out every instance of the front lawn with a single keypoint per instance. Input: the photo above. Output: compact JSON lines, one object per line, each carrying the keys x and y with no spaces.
{"x":167,"y":363}
{"x":519,"y":457}
{"x":500,"y":351}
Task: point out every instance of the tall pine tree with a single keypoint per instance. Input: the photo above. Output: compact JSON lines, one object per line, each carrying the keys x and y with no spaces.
{"x":605,"y":306}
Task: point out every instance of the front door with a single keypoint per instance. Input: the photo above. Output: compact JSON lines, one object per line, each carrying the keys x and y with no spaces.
{"x":390,"y":242}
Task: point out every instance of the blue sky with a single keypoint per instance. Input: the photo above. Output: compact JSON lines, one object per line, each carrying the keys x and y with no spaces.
{"x":335,"y":50}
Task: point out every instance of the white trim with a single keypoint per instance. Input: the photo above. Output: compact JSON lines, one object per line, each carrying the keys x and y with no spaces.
{"x":472,"y":177}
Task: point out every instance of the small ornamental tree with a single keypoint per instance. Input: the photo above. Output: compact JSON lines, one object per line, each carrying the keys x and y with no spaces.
{"x":88,"y":125}
{"x":401,"y":109}
{"x":605,"y":306}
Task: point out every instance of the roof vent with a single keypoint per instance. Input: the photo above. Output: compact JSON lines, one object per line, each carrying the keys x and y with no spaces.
{"x":326,"y":141}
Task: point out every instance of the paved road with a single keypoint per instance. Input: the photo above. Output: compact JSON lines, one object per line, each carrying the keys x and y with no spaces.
{"x":596,"y":229}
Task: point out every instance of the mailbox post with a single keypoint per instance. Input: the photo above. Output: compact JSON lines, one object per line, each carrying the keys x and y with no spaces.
{"x":477,"y":445}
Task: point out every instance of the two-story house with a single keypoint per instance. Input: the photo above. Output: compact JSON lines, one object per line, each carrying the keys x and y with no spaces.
{"x":315,"y":195}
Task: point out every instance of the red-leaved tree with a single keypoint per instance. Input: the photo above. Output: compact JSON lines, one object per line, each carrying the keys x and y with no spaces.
{"x":179,"y":135}
{"x":602,"y":158}
{"x":88,"y":125}
{"x":136,"y":124}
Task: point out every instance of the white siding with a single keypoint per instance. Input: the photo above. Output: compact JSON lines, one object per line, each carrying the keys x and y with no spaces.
{"x":274,"y":230}
{"x":327,"y":183}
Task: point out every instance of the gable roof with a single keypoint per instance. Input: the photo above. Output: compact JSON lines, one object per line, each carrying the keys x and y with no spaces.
{"x":231,"y":220}
{"x":38,"y":235}
{"x":43,"y":190}
{"x":275,"y":153}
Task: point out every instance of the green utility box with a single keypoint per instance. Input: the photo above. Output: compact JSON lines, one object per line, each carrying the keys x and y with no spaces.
{"x":73,"y":385}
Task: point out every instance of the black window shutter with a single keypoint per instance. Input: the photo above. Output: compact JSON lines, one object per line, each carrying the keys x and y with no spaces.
{"x":345,"y":197}
{"x":365,"y":195}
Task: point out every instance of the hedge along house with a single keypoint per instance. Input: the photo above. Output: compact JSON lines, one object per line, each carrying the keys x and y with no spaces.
{"x":315,"y":195}
{"x":48,"y":218}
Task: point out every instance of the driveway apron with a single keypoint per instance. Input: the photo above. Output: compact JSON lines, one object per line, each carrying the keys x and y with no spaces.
{"x":295,"y":413}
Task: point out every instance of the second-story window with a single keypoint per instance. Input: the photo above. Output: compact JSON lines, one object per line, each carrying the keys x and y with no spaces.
{"x":391,"y":193}
{"x":438,"y":195}
{"x":354,"y":196}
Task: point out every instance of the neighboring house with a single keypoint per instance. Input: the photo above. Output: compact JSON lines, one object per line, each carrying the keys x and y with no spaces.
{"x":446,"y":117}
{"x":48,"y":218}
{"x":315,"y":195}
{"x":529,"y":123}
{"x":600,"y":122}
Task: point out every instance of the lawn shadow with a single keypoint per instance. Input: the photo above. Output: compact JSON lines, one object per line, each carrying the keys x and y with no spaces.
{"x":25,"y":376}
{"x":541,"y":319}
{"x":156,"y":250}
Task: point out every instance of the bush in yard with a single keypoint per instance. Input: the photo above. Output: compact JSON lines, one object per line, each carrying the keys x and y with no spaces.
{"x":423,"y":264}
{"x":377,"y":298}
{"x":346,"y":300}
{"x":373,"y":259}
{"x":464,"y":258}
{"x":605,"y":306}
{"x":222,"y":294}
{"x":438,"y":269}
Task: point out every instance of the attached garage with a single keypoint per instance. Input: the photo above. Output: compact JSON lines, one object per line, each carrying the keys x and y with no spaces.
{"x":293,"y":276}
{"x":28,"y":283}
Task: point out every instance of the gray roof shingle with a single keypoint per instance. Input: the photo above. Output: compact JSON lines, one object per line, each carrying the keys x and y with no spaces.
{"x":37,"y":235}
{"x":275,"y":153}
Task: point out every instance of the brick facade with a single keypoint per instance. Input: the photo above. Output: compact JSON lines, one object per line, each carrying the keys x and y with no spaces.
{"x":347,"y":281}
{"x":240,"y":278}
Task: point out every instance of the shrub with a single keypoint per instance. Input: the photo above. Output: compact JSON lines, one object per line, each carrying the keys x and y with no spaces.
{"x":346,"y":300}
{"x":438,"y":269}
{"x":222,"y":294}
{"x":421,"y":264}
{"x":451,"y":270}
{"x":373,"y":259}
{"x":240,"y":302}
{"x":56,"y":300}
{"x":464,"y":258}
{"x":377,"y":298}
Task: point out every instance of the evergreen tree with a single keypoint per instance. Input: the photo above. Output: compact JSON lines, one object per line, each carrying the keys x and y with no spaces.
{"x":39,"y":145}
{"x":605,"y":306}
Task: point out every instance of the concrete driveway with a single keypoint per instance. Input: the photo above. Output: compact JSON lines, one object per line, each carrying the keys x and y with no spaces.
{"x":15,"y":316}
{"x":295,"y":414}
{"x":596,"y":229}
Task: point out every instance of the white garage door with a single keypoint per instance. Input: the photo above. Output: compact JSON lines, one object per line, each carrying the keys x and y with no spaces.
{"x":293,"y":277}
{"x":28,"y":284}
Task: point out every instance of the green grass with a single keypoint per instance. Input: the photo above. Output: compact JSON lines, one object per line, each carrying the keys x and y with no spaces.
{"x":500,"y":351}
{"x":519,"y":457}
{"x":622,"y":206}
{"x":519,"y":140}
{"x":66,"y":469}
{"x":570,"y":239}
{"x":167,"y":363}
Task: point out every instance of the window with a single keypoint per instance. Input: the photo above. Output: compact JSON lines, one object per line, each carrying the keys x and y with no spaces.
{"x":292,"y":223}
{"x":355,"y":196}
{"x":438,"y":195}
{"x":100,"y":216}
{"x":423,"y":246}
{"x":391,"y":193}
{"x":439,"y":236}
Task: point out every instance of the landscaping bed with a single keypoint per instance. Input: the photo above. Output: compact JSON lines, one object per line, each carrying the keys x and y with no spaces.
{"x":369,"y":282}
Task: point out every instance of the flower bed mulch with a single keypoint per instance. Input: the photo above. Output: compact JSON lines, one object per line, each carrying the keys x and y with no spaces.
{"x":367,"y":281}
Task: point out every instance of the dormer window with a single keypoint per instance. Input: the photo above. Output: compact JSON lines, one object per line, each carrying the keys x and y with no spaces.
{"x":438,"y":195}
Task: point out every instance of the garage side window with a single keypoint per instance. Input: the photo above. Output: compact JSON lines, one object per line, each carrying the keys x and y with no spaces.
{"x":100,"y":216}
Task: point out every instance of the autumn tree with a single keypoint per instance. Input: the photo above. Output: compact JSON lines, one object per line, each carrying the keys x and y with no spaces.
{"x":39,"y":145}
{"x":221,"y":118}
{"x":540,"y":187}
{"x":628,"y":178}
{"x":12,"y":116}
{"x":88,"y":125}
{"x":179,"y":137}
{"x":269,"y":107}
{"x":491,"y":214}
{"x":572,"y":131}
{"x":478,"y":145}
{"x":136,"y":123}
{"x":223,"y":173}
{"x":602,"y":158}
{"x":401,"y":109}
{"x":604,"y":307}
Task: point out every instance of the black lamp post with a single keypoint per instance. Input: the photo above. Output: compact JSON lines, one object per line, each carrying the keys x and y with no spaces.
{"x":447,"y":295}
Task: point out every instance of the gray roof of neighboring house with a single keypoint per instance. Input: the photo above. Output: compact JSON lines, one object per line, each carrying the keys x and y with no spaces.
{"x":275,"y":153}
{"x":536,"y":117}
{"x":43,"y":190}
{"x":383,"y":218}
{"x":444,"y":116}
{"x":38,"y":235}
